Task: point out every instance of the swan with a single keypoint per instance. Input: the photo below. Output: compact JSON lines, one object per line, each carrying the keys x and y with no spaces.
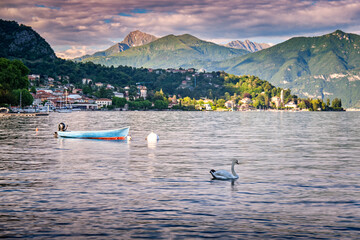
{"x":225,"y":175}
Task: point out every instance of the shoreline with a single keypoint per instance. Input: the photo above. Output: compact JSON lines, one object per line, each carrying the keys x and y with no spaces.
{"x":167,"y":110}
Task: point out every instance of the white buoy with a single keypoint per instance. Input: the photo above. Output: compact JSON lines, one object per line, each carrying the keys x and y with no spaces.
{"x":152,"y":138}
{"x":128,"y":138}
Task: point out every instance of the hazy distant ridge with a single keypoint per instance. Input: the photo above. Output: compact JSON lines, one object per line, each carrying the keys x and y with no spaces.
{"x":247,"y":45}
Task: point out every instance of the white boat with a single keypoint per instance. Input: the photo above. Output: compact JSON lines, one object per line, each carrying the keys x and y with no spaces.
{"x":114,"y":134}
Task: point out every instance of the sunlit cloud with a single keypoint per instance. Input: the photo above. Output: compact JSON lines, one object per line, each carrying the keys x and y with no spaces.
{"x":75,"y":51}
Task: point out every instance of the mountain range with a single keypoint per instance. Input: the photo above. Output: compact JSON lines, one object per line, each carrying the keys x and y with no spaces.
{"x":138,"y":38}
{"x":169,"y":52}
{"x":247,"y":45}
{"x":327,"y":66}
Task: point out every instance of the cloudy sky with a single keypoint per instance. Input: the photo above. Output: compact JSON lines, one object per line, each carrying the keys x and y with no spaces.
{"x":76,"y":27}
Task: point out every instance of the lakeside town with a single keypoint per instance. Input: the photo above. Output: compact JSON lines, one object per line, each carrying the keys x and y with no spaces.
{"x":59,"y":95}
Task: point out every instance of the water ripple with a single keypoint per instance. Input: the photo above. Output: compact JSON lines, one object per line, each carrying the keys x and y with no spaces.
{"x":298,"y":177}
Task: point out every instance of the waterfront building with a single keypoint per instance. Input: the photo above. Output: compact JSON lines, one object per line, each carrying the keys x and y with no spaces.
{"x":276,"y":100}
{"x":103,"y":102}
{"x":230,"y":104}
{"x":246,"y":100}
{"x":143,"y":91}
{"x":291,"y":104}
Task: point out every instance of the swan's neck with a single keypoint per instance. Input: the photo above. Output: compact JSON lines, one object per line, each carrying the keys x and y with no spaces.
{"x":233,"y":169}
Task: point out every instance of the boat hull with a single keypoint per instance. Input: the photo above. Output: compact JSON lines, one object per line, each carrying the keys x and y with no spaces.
{"x":116,"y":134}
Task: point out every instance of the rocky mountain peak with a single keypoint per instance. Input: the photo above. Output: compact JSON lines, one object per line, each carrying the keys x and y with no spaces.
{"x":138,"y":38}
{"x":247,"y":45}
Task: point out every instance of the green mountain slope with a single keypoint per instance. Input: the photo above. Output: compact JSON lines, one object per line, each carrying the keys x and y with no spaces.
{"x":170,"y":52}
{"x":20,"y":41}
{"x":327,"y":66}
{"x":133,"y":39}
{"x":119,"y":47}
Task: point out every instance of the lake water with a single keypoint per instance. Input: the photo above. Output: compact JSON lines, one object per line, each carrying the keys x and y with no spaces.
{"x":299,"y":176}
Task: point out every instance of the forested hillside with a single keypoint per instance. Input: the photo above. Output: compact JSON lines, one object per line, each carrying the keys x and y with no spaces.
{"x":318,"y":67}
{"x":22,"y":42}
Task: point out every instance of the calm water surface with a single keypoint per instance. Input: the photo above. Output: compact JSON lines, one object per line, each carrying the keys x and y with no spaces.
{"x":299,"y":176}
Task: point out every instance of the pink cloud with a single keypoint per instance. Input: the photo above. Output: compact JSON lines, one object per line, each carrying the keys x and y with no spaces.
{"x":90,"y":23}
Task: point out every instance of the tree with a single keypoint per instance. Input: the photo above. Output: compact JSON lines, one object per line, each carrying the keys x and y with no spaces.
{"x":119,"y":102}
{"x":187,"y":100}
{"x":147,"y":104}
{"x":328,"y":102}
{"x":104,"y":93}
{"x":33,"y":90}
{"x":160,"y":104}
{"x":227,"y":96}
{"x":26,"y":98}
{"x":246,"y":95}
{"x":13,"y":75}
{"x":159,"y":95}
{"x":314,"y":105}
{"x":87,"y":90}
{"x":336,"y":103}
{"x":220,"y":103}
{"x":302,"y":105}
{"x":256,"y":103}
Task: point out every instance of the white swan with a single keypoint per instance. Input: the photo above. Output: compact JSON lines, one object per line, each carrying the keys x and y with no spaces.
{"x":225,"y":175}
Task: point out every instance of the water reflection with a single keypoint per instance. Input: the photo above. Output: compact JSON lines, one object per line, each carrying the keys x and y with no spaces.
{"x":298,"y":177}
{"x":151,"y":145}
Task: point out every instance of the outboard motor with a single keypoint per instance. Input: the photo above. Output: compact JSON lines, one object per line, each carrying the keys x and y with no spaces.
{"x":62,"y":127}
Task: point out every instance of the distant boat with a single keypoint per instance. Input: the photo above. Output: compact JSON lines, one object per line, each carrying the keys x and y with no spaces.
{"x":116,"y":134}
{"x":64,"y":110}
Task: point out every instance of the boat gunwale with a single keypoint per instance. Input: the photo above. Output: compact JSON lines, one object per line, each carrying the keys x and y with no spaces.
{"x":97,"y":131}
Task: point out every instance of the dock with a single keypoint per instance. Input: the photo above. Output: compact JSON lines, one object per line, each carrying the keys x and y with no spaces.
{"x":23,"y":114}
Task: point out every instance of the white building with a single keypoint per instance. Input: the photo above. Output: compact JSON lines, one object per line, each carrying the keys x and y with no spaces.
{"x":119,"y":95}
{"x":86,"y":81}
{"x":246,"y":100}
{"x":207,"y":107}
{"x":103,"y":102}
{"x":276,"y":100}
{"x":99,"y":84}
{"x":290,"y":104}
{"x":109,"y":86}
{"x":143,"y":92}
{"x":74,"y":98}
{"x":229,"y":104}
